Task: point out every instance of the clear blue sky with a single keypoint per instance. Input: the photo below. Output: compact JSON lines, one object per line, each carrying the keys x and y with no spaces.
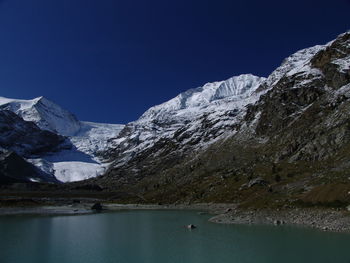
{"x":110,"y":60}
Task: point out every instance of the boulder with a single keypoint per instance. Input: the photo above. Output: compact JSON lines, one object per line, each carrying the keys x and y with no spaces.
{"x":278,"y":222}
{"x":97,"y":207}
{"x":257,"y":181}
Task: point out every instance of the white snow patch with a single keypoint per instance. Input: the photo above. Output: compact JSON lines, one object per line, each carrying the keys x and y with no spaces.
{"x":76,"y":171}
{"x":81,"y":163}
{"x":343,"y":63}
{"x":93,"y":137}
{"x":296,"y":63}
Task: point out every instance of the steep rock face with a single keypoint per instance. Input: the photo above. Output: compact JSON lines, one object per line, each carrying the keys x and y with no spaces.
{"x":295,"y":136}
{"x":14,"y":169}
{"x":26,"y":138}
{"x":307,"y":110}
{"x":20,"y":139}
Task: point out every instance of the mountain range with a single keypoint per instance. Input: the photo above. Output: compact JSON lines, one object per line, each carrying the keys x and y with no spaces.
{"x":281,"y":139}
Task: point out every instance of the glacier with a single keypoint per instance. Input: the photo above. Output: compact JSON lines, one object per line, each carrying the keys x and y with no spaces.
{"x":80,"y":161}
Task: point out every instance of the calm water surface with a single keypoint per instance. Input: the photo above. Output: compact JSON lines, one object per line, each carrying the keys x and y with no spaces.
{"x":159,"y":236}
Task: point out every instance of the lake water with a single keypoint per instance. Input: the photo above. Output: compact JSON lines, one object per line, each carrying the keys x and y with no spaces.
{"x":159,"y":236}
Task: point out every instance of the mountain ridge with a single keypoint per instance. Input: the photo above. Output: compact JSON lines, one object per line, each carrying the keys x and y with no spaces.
{"x":290,"y":145}
{"x":258,"y":141}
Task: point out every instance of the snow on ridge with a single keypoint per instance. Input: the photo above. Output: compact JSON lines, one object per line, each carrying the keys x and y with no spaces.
{"x":343,"y":64}
{"x":17,"y":104}
{"x":194,"y":100}
{"x":93,"y":137}
{"x":298,"y":62}
{"x":219,"y":104}
{"x":44,"y":113}
{"x":238,"y":86}
{"x":222,"y":104}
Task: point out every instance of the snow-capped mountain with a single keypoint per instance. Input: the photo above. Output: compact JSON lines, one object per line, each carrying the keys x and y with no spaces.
{"x":78,"y":157}
{"x":240,"y":126}
{"x":192,"y":120}
{"x":44,"y":113}
{"x":290,"y":131}
{"x":219,"y":104}
{"x":194,"y":102}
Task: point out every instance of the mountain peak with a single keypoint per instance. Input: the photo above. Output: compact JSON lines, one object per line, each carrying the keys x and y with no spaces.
{"x":44,"y":113}
{"x":39,"y":99}
{"x":235,"y":88}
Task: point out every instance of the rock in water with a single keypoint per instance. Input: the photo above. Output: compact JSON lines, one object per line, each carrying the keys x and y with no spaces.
{"x":97,"y":207}
{"x":278,"y":222}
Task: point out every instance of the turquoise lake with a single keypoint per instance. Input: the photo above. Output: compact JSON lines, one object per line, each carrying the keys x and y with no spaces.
{"x":160,"y":236}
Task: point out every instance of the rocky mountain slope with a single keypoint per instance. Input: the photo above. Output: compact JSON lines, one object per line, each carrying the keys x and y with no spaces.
{"x":263,"y":142}
{"x":26,"y":138}
{"x":21,"y":139}
{"x":14,"y":169}
{"x":191,"y":121}
{"x":270,"y":141}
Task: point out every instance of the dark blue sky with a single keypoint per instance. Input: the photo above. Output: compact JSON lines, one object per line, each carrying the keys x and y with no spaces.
{"x":110,"y":60}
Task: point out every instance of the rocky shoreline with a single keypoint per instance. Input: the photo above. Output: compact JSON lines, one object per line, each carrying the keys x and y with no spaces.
{"x":333,"y":220}
{"x":326,"y":219}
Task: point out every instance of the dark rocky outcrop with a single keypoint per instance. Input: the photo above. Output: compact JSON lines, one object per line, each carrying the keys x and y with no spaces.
{"x":21,"y":139}
{"x":14,"y":169}
{"x":26,"y":138}
{"x":97,"y":207}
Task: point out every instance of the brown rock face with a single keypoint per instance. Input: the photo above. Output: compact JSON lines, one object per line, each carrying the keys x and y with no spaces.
{"x":325,"y":61}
